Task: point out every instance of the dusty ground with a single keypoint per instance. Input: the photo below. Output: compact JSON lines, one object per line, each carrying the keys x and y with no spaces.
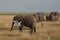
{"x":50,"y":31}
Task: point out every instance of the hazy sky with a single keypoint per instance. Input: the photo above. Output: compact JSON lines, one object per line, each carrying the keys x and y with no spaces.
{"x":29,"y":5}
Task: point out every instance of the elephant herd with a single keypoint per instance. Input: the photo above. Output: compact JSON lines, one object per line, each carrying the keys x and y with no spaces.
{"x":54,"y":16}
{"x":31,"y":20}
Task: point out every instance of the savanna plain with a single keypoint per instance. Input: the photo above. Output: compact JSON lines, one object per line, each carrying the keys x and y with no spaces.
{"x":49,"y":31}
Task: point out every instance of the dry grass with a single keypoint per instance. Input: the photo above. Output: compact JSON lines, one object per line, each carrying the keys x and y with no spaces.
{"x":50,"y":31}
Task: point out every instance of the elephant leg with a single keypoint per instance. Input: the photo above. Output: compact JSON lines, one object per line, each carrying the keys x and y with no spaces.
{"x":21,"y":28}
{"x":12,"y":26}
{"x":31,"y":30}
{"x":42,"y":24}
{"x":34,"y":28}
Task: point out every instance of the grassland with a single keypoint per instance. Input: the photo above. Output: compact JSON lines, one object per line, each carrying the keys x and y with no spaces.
{"x":50,"y":31}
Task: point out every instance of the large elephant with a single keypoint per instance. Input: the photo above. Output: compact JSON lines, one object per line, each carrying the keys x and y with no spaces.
{"x":40,"y":16}
{"x":28,"y":21}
